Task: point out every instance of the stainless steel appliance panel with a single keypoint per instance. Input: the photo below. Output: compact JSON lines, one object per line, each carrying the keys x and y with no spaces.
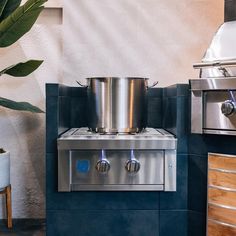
{"x":214,"y":118}
{"x":196,"y":111}
{"x":64,"y":174}
{"x":149,"y":139}
{"x":170,"y":170}
{"x":84,"y":163}
{"x":149,"y":161}
{"x":213,"y":106}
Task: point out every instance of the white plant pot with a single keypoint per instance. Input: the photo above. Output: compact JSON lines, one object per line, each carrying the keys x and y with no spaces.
{"x":4,"y":169}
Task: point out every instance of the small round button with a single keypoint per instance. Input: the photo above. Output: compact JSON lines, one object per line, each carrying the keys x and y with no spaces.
{"x":132,"y":166}
{"x":103,"y":166}
{"x":228,"y":108}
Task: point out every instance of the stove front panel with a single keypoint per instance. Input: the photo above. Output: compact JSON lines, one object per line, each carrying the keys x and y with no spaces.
{"x":93,"y":162}
{"x":83,"y":168}
{"x":77,"y":171}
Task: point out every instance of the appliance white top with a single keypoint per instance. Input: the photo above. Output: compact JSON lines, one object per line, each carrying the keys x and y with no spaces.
{"x":222,"y":48}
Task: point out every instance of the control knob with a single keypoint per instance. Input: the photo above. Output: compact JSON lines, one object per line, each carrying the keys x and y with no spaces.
{"x":103,"y":166}
{"x":228,"y":108}
{"x":132,"y":166}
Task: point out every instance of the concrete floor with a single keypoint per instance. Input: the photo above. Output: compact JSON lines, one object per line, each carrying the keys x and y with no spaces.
{"x":24,"y":228}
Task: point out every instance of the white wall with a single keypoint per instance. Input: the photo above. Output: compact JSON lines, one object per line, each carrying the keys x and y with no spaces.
{"x":156,"y":38}
{"x":159,"y":39}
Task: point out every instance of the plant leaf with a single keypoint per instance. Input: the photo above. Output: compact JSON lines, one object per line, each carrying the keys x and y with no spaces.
{"x":9,"y":7}
{"x":19,"y":22}
{"x":22,"y":69}
{"x":3,"y":3}
{"x":20,"y":106}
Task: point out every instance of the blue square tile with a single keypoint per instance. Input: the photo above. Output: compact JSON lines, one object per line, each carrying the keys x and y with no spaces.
{"x":78,"y":92}
{"x":100,"y":223}
{"x":197,"y":144}
{"x":56,"y":90}
{"x":155,"y":92}
{"x":178,"y":199}
{"x":52,"y":89}
{"x":183,"y":90}
{"x":176,"y":90}
{"x":170,"y":91}
{"x":202,"y":144}
{"x":170,"y":114}
{"x":154,"y":112}
{"x":64,"y":108}
{"x":196,"y":224}
{"x":197,"y":183}
{"x":174,"y":223}
{"x":183,"y":121}
{"x":182,"y":145}
{"x":79,"y":112}
{"x":52,"y":105}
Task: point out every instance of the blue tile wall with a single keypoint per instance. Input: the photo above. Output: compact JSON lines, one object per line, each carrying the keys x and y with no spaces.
{"x":154,"y":118}
{"x":176,"y":110}
{"x":100,"y":223}
{"x":211,"y":143}
{"x":176,"y":90}
{"x":170,"y":114}
{"x":174,"y":223}
{"x":57,"y":113}
{"x":197,"y":183}
{"x":117,"y":213}
{"x":56,"y":90}
{"x":196,"y":223}
{"x":51,"y":123}
{"x":79,"y":112}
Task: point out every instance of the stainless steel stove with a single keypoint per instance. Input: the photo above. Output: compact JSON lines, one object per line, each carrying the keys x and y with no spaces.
{"x":144,"y":161}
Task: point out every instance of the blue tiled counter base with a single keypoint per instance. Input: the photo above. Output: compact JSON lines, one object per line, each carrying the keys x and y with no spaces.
{"x":101,"y":223}
{"x":113,"y":213}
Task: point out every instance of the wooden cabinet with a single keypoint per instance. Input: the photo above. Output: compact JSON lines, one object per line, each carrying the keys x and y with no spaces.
{"x":221,"y":219}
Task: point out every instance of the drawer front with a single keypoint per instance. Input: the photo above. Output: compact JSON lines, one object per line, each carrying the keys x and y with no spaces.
{"x":223,"y":197}
{"x":222,"y":179}
{"x":222,"y":162}
{"x":216,"y":229}
{"x":222,"y":214}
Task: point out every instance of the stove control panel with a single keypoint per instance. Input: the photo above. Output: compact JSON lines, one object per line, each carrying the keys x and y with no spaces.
{"x":95,"y":162}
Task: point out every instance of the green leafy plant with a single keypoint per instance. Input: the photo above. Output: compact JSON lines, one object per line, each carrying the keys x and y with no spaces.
{"x":15,"y":21}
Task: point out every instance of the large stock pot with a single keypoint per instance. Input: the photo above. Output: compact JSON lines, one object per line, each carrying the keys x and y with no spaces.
{"x":117,"y":104}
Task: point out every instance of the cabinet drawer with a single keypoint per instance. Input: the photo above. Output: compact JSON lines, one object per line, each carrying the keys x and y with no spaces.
{"x":222,"y":162}
{"x":216,"y":229}
{"x":222,"y":214}
{"x":222,"y":179}
{"x":222,"y":197}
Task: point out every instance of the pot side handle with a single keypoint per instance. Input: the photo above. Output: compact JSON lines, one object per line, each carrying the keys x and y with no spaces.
{"x":153,"y":85}
{"x":82,"y":85}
